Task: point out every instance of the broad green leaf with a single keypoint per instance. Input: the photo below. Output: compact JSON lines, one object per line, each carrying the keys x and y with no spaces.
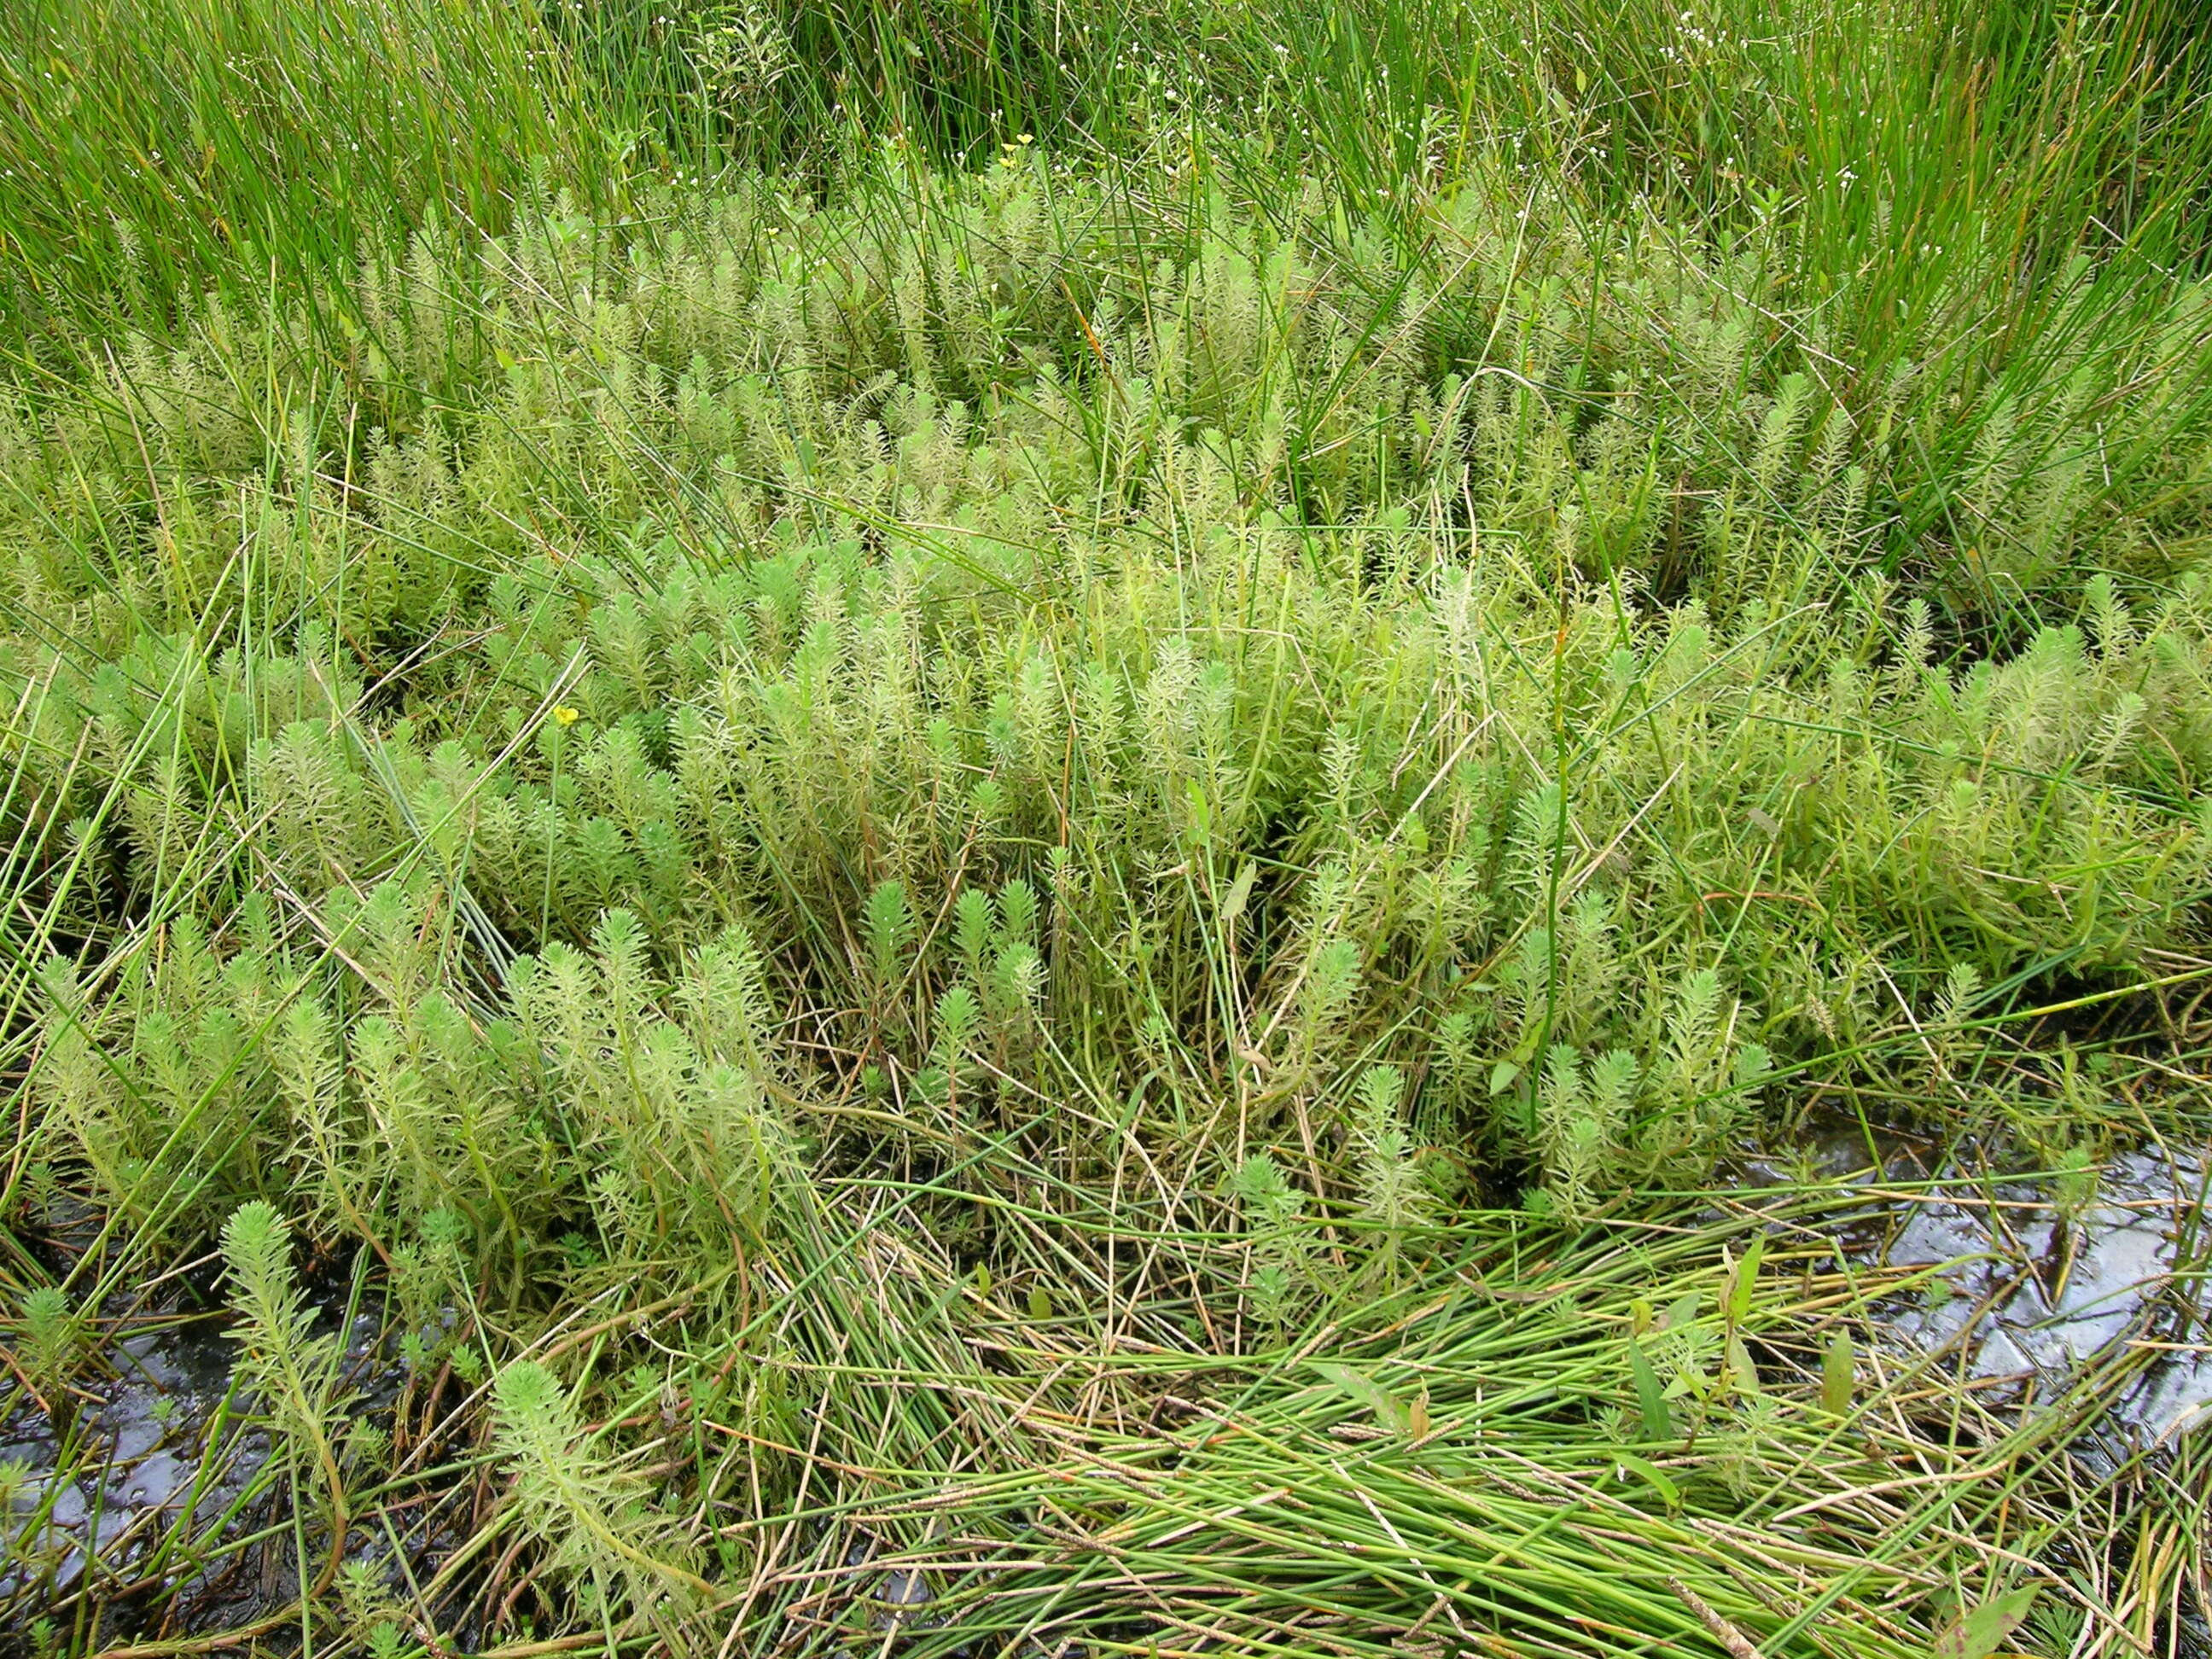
{"x":1837,"y":1374}
{"x":1240,"y":892}
{"x":1669,"y":1493}
{"x":1201,"y":810}
{"x":1739,"y":1367}
{"x":1977,"y":1635}
{"x":1745,"y":1279}
{"x":1650,"y":1396}
{"x":1389,"y":1411}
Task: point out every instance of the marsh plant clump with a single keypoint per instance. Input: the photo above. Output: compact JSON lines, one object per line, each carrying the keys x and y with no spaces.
{"x":942,"y":831}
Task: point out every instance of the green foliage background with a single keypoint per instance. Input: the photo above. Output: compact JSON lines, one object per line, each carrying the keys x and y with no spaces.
{"x":904,"y":762}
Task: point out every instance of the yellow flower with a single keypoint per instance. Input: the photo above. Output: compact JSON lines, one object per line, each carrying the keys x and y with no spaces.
{"x":563,"y":715}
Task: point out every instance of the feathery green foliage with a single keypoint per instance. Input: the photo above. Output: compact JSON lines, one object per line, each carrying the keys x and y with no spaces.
{"x":995,"y":811}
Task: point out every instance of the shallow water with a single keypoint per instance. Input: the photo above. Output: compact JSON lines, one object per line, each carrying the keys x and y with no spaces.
{"x":164,"y":1448}
{"x":2024,"y":1293}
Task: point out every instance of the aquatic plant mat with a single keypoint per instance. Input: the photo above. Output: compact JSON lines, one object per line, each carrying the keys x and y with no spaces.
{"x":930,"y":830}
{"x":1544,"y":1439}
